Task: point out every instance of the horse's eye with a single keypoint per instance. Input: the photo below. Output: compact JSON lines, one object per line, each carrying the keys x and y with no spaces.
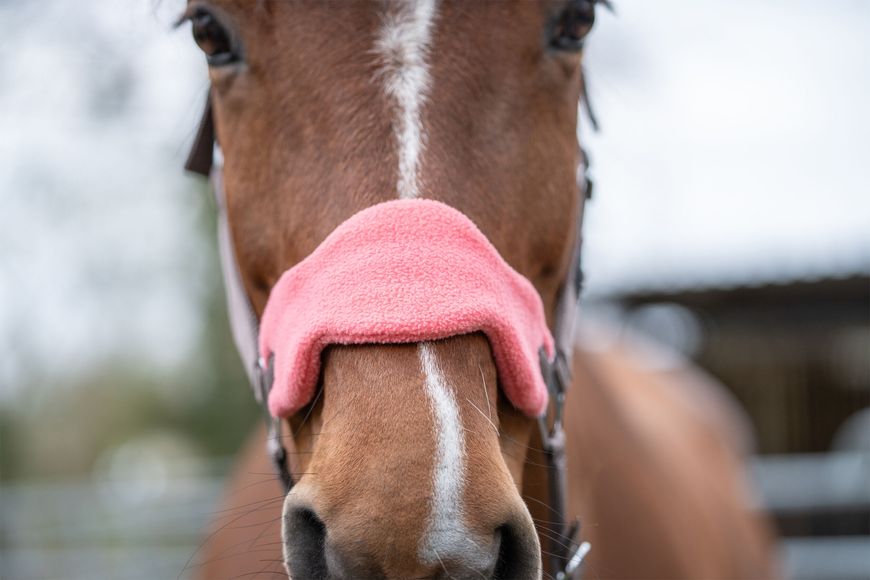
{"x":213,"y":38}
{"x":570,"y":28}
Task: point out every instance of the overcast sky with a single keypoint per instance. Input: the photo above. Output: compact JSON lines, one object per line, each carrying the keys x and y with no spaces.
{"x":735,"y":143}
{"x":735,"y":147}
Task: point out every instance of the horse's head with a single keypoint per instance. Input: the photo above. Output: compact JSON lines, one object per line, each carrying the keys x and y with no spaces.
{"x":410,"y":460}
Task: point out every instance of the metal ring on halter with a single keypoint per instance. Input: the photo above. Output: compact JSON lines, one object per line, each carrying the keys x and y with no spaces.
{"x":264,"y":372}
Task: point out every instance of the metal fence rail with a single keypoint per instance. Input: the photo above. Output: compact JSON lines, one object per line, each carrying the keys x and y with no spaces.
{"x":84,"y":530}
{"x":87,"y":530}
{"x":815,"y":494}
{"x":814,"y":482}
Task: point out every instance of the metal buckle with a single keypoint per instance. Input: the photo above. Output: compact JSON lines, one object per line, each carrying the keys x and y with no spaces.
{"x":265,"y":375}
{"x":574,"y":561}
{"x":556,"y":375}
{"x":264,"y":371}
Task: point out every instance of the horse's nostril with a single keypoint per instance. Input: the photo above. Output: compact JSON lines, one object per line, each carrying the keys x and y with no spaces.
{"x":518,"y":554}
{"x":304,"y":542}
{"x":343,"y":551}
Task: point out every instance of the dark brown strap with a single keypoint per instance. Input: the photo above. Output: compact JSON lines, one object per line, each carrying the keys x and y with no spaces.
{"x":566,"y":554}
{"x":201,"y":156}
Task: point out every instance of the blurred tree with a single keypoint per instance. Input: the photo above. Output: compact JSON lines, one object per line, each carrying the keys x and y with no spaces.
{"x":9,"y":457}
{"x":207,"y":401}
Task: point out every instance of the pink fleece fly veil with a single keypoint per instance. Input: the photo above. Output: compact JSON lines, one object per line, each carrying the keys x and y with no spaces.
{"x":398,"y":272}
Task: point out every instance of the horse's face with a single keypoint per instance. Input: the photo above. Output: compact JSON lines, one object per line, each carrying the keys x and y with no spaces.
{"x":409,"y":462}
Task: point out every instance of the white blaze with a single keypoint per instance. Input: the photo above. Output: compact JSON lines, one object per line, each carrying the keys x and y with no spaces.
{"x":446,"y":535}
{"x":403,"y":46}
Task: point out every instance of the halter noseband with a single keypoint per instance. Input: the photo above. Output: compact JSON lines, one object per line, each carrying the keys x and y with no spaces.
{"x":566,"y":555}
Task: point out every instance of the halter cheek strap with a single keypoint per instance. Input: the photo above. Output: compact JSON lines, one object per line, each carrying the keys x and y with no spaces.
{"x":243,"y":319}
{"x":566,"y":556}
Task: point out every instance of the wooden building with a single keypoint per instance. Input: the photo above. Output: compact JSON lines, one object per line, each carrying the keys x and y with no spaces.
{"x":796,"y":354}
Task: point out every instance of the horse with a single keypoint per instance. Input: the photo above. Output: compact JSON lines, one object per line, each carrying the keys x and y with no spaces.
{"x":412,"y":459}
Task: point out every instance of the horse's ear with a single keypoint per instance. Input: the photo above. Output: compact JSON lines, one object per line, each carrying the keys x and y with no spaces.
{"x":201,"y":156}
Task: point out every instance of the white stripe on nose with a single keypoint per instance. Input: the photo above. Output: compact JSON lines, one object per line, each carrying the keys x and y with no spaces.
{"x":403,"y":46}
{"x":447,"y":537}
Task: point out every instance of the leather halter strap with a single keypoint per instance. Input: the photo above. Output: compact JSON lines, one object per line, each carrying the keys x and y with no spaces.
{"x":566,"y":555}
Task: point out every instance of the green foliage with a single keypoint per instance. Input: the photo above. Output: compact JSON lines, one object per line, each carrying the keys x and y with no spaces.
{"x":62,"y":430}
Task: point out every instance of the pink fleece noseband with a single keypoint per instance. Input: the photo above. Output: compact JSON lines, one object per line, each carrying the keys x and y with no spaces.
{"x":399,"y":272}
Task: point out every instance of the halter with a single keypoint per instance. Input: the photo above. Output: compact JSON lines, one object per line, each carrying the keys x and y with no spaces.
{"x":566,"y":555}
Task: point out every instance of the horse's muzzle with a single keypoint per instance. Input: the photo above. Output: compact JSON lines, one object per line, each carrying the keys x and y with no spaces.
{"x":511,"y":552}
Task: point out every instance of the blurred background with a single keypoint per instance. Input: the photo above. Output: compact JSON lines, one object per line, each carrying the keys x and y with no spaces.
{"x":730,"y":225}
